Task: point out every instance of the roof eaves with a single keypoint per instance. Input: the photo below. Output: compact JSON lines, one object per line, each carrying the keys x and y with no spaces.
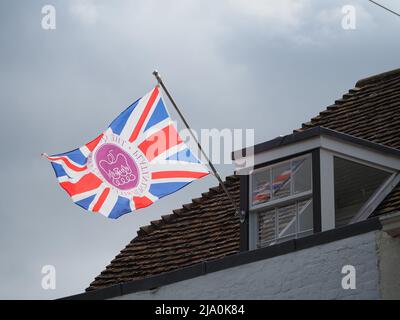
{"x":311,"y":133}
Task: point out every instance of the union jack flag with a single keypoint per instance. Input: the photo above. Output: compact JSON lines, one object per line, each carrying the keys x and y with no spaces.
{"x":139,"y":159}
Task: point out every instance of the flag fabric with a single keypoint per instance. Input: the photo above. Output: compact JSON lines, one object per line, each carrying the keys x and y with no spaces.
{"x":139,"y":159}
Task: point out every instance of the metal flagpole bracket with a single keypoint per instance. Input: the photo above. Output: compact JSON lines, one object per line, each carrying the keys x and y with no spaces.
{"x":242,"y":216}
{"x":214,"y":171}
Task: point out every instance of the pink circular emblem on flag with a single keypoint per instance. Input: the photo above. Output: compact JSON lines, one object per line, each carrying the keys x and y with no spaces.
{"x":117,"y":166}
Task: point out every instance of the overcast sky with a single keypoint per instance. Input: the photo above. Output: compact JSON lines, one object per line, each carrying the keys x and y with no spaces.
{"x":264,"y":65}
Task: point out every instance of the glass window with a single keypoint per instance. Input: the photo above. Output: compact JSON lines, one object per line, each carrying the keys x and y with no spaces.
{"x":305,"y":215}
{"x":354,"y":183}
{"x":282,"y":180}
{"x":266,"y":228}
{"x":281,"y":196}
{"x":261,"y":188}
{"x":286,"y":222}
{"x":301,"y":175}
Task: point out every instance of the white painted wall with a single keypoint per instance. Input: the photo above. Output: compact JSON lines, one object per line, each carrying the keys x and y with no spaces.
{"x":313,"y":273}
{"x":389,"y":266}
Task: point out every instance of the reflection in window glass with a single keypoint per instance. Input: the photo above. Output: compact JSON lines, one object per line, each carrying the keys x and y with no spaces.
{"x":261,"y":187}
{"x":281,"y":175}
{"x":355,"y":183}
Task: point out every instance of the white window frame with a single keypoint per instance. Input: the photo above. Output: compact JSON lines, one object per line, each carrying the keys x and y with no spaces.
{"x":254,"y":210}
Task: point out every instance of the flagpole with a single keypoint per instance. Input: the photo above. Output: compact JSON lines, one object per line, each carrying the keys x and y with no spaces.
{"x":216,"y":174}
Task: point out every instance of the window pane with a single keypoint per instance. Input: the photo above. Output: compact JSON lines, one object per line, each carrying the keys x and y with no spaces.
{"x":266,"y":228}
{"x":305,"y":215}
{"x":301,"y":175}
{"x":281,"y":180}
{"x":286,"y":220}
{"x":355,"y":183}
{"x":261,"y":191}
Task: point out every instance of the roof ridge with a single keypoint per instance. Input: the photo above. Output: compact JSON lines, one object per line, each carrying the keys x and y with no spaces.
{"x":378,"y":77}
{"x":337,"y":104}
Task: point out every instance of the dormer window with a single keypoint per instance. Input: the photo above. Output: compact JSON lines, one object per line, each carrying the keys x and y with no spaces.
{"x":309,"y":182}
{"x":281,"y":201}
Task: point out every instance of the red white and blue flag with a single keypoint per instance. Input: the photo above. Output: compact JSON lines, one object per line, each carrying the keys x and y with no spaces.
{"x":139,"y":159}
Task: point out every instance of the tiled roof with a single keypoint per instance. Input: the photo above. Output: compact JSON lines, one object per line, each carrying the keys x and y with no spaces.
{"x":370,"y":111}
{"x":207,"y":229}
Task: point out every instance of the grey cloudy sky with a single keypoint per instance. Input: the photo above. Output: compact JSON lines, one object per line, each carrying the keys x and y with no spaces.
{"x":267,"y":65}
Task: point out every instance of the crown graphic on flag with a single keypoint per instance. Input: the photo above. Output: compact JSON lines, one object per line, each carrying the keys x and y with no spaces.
{"x":137,"y":160}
